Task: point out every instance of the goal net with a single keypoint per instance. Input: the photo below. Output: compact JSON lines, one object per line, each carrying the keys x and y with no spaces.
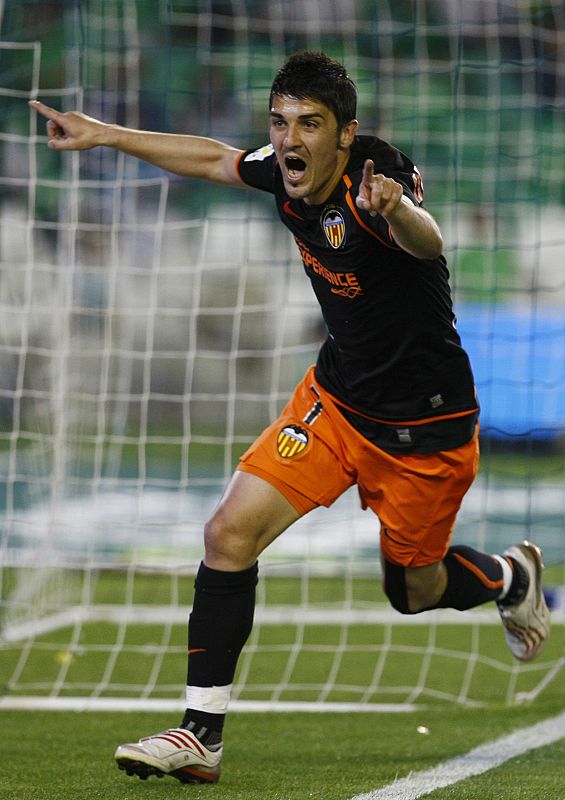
{"x":150,"y":327}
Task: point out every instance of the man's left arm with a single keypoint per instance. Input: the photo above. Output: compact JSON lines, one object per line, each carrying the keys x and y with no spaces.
{"x":413,"y":228}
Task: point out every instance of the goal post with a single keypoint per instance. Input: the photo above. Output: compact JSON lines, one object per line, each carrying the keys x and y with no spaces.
{"x":151,"y":327}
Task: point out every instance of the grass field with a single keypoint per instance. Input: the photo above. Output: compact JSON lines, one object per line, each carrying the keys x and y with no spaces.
{"x":280,"y":756}
{"x":293,"y":660}
{"x":54,"y":756}
{"x":277,"y":756}
{"x":284,"y":756}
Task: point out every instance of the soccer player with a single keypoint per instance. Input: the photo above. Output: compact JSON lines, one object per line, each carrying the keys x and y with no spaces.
{"x":389,"y":406}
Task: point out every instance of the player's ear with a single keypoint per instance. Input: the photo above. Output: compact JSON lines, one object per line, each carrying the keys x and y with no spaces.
{"x":347,"y":134}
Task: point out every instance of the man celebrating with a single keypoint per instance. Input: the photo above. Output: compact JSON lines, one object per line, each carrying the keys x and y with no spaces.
{"x":389,"y":406}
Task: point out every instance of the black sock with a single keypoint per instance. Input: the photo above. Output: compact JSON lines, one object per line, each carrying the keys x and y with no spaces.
{"x":519,"y":585}
{"x":208,"y":728}
{"x":220,"y":622}
{"x":473,"y":578}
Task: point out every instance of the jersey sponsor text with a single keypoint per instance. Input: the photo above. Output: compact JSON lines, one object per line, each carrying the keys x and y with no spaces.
{"x":346,"y":282}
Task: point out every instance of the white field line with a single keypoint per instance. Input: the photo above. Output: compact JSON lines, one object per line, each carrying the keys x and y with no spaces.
{"x":126,"y":704}
{"x":475,"y":762}
{"x":379,"y":614}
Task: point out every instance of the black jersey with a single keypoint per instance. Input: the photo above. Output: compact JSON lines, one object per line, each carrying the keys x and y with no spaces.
{"x":392,"y":358}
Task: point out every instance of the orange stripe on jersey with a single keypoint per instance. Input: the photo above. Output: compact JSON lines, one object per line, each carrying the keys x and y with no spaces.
{"x":238,"y":162}
{"x":480,"y":575}
{"x":353,"y":209}
{"x":415,"y":422}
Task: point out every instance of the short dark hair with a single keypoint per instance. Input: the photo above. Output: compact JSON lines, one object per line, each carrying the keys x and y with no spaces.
{"x":316,"y":76}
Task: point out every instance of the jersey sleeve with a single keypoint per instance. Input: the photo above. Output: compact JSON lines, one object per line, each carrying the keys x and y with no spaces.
{"x":401,"y":169}
{"x":412,"y":185}
{"x":256,"y":168}
{"x":391,"y":163}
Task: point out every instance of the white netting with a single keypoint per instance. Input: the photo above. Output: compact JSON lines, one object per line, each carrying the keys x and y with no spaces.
{"x":151,"y":327}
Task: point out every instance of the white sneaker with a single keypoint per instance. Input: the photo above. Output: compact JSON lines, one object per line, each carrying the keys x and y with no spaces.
{"x":526,"y":624}
{"x":176,"y":752}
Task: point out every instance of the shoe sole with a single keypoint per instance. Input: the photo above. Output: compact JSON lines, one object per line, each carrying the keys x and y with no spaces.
{"x":185,"y":775}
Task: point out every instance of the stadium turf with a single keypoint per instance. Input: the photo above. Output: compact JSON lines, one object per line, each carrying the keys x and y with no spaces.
{"x":53,"y":756}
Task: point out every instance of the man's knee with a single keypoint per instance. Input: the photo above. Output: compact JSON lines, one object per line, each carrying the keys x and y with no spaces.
{"x":251,"y":514}
{"x":394,"y":584}
{"x":222,"y":540}
{"x":414,"y":589}
{"x":228,"y":543}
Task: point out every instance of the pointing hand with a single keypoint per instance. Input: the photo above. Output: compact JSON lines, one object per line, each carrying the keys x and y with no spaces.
{"x":71,"y":130}
{"x":377,"y":194}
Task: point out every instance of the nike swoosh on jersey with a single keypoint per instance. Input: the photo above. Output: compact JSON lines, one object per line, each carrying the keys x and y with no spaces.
{"x":288,"y":210}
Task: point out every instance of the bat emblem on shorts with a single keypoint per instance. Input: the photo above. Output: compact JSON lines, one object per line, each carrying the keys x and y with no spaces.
{"x":291,"y":441}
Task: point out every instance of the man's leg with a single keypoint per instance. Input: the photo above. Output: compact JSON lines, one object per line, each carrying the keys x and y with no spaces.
{"x":251,"y":514}
{"x":417,"y":498}
{"x":467,"y":578}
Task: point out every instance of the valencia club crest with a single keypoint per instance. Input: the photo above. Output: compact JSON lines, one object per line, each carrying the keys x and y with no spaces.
{"x":333,"y":224}
{"x":291,"y":441}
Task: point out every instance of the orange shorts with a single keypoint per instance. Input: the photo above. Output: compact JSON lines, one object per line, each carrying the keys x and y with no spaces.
{"x":312,"y":455}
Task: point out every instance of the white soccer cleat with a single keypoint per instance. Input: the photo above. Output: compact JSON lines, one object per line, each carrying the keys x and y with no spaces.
{"x":526,"y":624}
{"x":176,"y":752}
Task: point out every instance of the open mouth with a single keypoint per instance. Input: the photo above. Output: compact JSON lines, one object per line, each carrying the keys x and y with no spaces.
{"x":295,"y":167}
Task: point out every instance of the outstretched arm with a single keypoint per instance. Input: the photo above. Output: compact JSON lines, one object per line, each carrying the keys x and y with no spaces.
{"x":413,"y":228}
{"x":191,"y":156}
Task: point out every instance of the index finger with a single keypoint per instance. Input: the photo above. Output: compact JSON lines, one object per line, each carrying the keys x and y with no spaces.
{"x":46,"y":111}
{"x":368,"y":168}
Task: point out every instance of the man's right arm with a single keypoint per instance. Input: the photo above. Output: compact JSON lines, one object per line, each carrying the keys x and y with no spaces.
{"x":190,"y":156}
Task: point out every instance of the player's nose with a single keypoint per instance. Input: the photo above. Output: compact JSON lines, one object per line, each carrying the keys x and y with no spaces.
{"x":292,"y":138}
